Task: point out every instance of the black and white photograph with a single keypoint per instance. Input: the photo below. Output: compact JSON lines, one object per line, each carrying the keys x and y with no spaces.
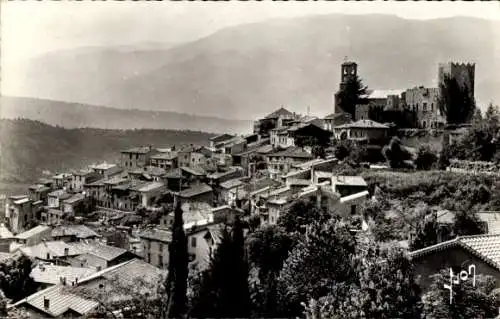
{"x":250,"y":159}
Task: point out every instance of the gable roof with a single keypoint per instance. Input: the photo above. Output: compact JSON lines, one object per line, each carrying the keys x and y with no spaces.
{"x":198,"y":171}
{"x":232,"y":183}
{"x":195,"y":190}
{"x":52,"y":248}
{"x":349,"y":180}
{"x":294,"y":152}
{"x":75,"y":199}
{"x":221,"y":138}
{"x":80,"y":231}
{"x":52,"y":274}
{"x":368,"y":124}
{"x":60,"y":302}
{"x":138,"y":150}
{"x":174,"y":173}
{"x":279,"y":112}
{"x":157,"y":234}
{"x":334,"y":116}
{"x":32,"y":232}
{"x":485,"y":247}
{"x":102,"y":251}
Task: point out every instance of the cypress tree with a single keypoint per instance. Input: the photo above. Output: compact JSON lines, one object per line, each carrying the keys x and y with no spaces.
{"x":223,"y":291}
{"x":176,"y":285}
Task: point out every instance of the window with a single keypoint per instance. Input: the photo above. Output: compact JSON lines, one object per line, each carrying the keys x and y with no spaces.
{"x":193,"y":241}
{"x":160,"y":260}
{"x":148,"y":257}
{"x":353,"y":209}
{"x":432,"y":107}
{"x":424,"y":106}
{"x":161,"y":248}
{"x":136,"y":156}
{"x":130,"y":156}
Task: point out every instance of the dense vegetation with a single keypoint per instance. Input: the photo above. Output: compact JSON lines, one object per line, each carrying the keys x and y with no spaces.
{"x":27,"y":148}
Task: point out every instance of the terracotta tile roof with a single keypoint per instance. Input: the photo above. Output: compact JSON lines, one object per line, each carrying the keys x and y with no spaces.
{"x":103,"y":166}
{"x":51,"y":249}
{"x":123,"y":281}
{"x":218,"y":175}
{"x":174,"y":173}
{"x":232,"y":183}
{"x":60,"y":302}
{"x":295,"y":152}
{"x":194,"y":171}
{"x":363,"y":124}
{"x":138,"y":150}
{"x":279,"y":112}
{"x":102,"y":251}
{"x":221,"y":138}
{"x":349,"y":180}
{"x":149,"y":187}
{"x":32,"y":232}
{"x":80,"y":231}
{"x":74,"y":199}
{"x":165,"y":156}
{"x":157,"y":234}
{"x":485,"y":247}
{"x":195,"y":190}
{"x":51,"y":274}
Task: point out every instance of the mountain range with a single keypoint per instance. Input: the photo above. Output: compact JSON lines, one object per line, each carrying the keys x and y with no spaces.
{"x":27,"y":147}
{"x":77,"y":115}
{"x":249,"y":70}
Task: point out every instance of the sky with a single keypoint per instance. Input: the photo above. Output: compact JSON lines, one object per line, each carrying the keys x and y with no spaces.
{"x":31,"y":28}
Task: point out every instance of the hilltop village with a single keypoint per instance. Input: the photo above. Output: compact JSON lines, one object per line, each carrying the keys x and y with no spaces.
{"x":99,"y":237}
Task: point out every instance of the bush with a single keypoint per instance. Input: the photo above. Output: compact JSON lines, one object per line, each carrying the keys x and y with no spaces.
{"x":426,"y":159}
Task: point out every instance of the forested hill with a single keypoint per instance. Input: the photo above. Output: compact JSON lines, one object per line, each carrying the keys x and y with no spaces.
{"x":27,"y":147}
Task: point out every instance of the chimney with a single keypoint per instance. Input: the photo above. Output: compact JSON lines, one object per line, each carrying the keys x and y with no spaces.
{"x":66,"y":251}
{"x":46,"y":303}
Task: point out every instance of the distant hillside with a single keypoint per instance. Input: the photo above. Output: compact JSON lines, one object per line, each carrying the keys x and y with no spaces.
{"x":249,"y":70}
{"x":27,"y":148}
{"x":74,"y":115}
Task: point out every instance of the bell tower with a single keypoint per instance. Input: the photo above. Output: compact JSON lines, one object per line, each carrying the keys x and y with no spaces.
{"x":349,"y":71}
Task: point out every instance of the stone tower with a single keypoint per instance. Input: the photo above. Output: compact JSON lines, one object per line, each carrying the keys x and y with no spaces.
{"x":463,"y":73}
{"x":348,"y":71}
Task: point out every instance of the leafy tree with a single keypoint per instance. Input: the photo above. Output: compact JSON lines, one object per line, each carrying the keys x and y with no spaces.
{"x":350,"y":95}
{"x":385,"y":287}
{"x":341,"y":151}
{"x":467,"y":223}
{"x":268,"y":248}
{"x":176,"y":285}
{"x":222,"y":289}
{"x":425,"y":158}
{"x":316,"y":264}
{"x":396,"y":154}
{"x":15,"y":280}
{"x":467,"y":302}
{"x":300,"y":215}
{"x":426,"y":234}
{"x":240,"y":299}
{"x":454,"y":102}
{"x":492,"y":115}
{"x":478,"y":115}
{"x":3,"y":305}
